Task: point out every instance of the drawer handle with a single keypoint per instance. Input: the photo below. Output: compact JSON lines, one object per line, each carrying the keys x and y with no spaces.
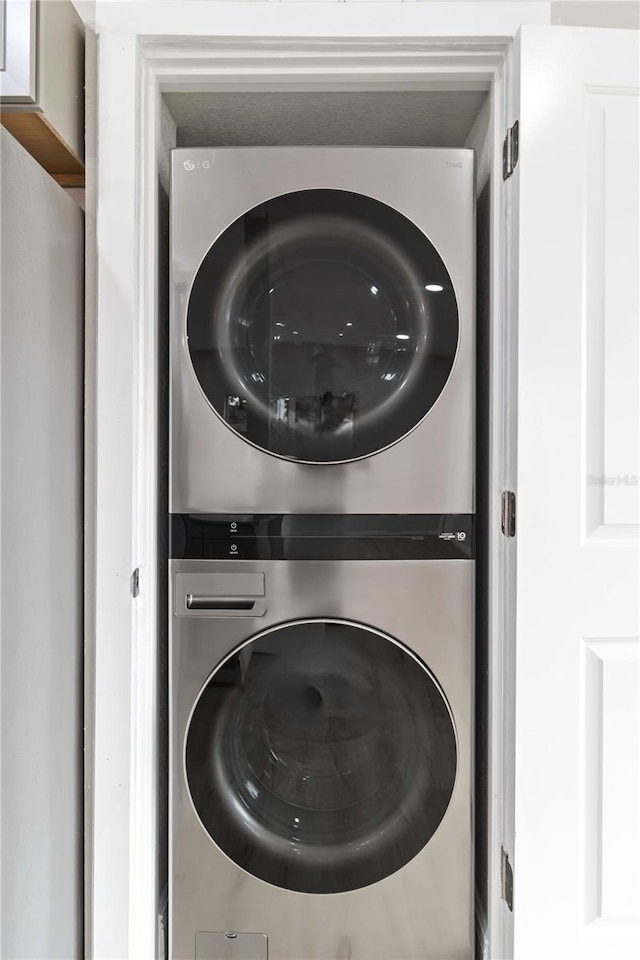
{"x":194,"y":602}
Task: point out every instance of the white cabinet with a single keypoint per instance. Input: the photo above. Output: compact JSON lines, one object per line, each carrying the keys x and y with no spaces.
{"x":42,"y":83}
{"x":17,"y":48}
{"x":41,"y":375}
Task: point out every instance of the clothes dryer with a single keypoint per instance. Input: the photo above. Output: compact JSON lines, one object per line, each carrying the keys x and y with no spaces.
{"x":322,"y":330}
{"x":321,"y":747}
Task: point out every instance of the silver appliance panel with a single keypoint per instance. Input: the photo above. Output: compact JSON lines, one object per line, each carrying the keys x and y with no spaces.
{"x":229,"y":945}
{"x":424,"y":909}
{"x":428,"y":470}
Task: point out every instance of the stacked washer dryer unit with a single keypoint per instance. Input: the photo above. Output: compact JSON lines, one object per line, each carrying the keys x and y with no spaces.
{"x":321,"y":611}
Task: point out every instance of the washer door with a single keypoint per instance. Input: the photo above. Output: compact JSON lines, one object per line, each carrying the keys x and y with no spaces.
{"x":321,"y":756}
{"x":322,"y":326}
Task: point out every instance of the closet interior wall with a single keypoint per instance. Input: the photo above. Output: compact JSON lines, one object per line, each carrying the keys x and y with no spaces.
{"x":417,"y":115}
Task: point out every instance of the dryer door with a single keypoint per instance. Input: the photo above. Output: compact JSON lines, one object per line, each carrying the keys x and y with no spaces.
{"x":321,"y":756}
{"x":322,"y":326}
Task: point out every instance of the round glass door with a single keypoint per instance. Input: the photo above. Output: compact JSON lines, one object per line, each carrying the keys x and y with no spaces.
{"x":322,"y":326}
{"x":321,"y":756}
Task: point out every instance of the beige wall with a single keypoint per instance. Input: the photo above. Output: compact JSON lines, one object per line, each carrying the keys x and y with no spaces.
{"x":586,"y":13}
{"x":597,"y":13}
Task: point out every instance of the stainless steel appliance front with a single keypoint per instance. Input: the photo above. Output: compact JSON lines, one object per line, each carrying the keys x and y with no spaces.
{"x":322,"y":330}
{"x":321,"y":771}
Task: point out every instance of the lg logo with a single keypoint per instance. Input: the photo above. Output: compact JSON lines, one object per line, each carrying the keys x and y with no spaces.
{"x":197,"y":165}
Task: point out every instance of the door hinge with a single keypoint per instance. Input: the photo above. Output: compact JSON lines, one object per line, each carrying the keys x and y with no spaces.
{"x":510,"y":151}
{"x":506,"y":878}
{"x":135,"y":582}
{"x":509,"y":513}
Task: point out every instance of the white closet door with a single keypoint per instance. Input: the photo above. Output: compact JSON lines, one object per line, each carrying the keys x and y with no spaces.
{"x":576,"y":856}
{"x":41,"y":533}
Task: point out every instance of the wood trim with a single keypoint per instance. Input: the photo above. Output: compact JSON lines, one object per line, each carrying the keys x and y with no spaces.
{"x":38,"y":137}
{"x":69,"y":179}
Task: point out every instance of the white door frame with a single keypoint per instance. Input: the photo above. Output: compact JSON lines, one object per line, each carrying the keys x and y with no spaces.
{"x":133,"y":71}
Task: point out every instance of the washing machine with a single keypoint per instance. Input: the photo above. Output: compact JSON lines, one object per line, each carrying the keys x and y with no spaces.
{"x":322,"y":330}
{"x":321,"y":741}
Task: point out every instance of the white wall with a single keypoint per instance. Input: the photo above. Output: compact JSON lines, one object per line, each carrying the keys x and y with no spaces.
{"x":86,"y":9}
{"x":41,"y":409}
{"x":592,"y":13}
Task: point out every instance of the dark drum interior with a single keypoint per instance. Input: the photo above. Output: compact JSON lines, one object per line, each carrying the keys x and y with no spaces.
{"x":321,"y":756}
{"x":322,"y":326}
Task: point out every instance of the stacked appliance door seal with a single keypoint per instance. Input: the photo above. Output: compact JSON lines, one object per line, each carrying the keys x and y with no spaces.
{"x":321,"y":553}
